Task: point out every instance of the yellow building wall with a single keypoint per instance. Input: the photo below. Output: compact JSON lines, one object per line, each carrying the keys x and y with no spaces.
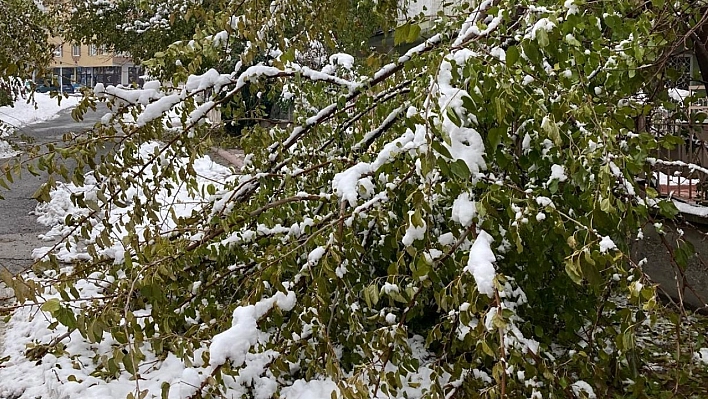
{"x":84,"y":59}
{"x":87,"y":59}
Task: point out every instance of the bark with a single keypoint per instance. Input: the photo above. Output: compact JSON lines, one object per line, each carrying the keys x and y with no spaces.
{"x":700,"y":49}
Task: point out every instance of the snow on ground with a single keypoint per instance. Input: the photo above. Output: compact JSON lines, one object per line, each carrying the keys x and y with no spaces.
{"x":6,"y":151}
{"x":179,"y":201}
{"x":73,"y":376}
{"x":46,"y":108}
{"x":23,"y":113}
{"x":64,"y":377}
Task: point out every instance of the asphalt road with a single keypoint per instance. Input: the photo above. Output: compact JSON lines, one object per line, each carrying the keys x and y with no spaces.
{"x":18,"y":226}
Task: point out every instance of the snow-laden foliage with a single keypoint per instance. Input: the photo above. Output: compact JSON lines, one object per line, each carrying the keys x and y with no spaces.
{"x":143,"y":29}
{"x":449,"y":222}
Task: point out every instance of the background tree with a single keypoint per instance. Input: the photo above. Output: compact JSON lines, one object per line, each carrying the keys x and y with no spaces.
{"x":24,"y":47}
{"x":144,"y":28}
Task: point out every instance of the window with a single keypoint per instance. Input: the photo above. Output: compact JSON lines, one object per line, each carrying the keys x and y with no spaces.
{"x":76,"y":50}
{"x":58,"y":50}
{"x":102,"y":50}
{"x":92,"y":49}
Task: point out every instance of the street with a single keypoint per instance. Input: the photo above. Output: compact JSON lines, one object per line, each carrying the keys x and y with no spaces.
{"x":18,"y":227}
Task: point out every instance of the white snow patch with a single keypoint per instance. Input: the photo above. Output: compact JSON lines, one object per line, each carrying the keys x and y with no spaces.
{"x":582,"y":386}
{"x":558,"y":173}
{"x":46,"y":108}
{"x":606,"y":244}
{"x":481,"y":263}
{"x":463,"y":209}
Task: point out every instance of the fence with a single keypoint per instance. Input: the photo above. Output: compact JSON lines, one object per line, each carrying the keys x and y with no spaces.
{"x":683,"y":173}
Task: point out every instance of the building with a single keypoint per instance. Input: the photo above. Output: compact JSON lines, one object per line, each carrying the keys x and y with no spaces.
{"x":88,"y":64}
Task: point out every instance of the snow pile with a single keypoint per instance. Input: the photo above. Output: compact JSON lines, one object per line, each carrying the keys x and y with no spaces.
{"x":679,"y":95}
{"x":463,"y":209}
{"x":6,"y":150}
{"x":607,"y":245}
{"x":24,"y":113}
{"x":583,"y":389}
{"x":178,"y":202}
{"x":61,"y":376}
{"x":44,"y":108}
{"x":685,"y":208}
{"x":234,"y":343}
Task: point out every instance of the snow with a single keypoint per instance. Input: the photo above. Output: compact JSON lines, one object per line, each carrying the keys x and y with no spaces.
{"x":22,"y":114}
{"x":345,"y":183}
{"x":558,"y":173}
{"x":314,"y":257}
{"x":6,"y":150}
{"x":582,"y":386}
{"x":606,"y":244}
{"x":52,"y":376}
{"x":413,"y":232}
{"x":388,"y":288}
{"x":571,"y":6}
{"x":234,"y":343}
{"x":179,"y":202}
{"x":46,"y":108}
{"x":544,"y":24}
{"x":679,"y":95}
{"x":545,"y":202}
{"x":463,"y":210}
{"x":695,"y":210}
{"x":346,"y":61}
{"x":481,"y":263}
{"x":702,"y":355}
{"x":446,"y":239}
{"x":313,"y":389}
{"x":242,"y":346}
{"x":664,"y":179}
{"x":465,"y":142}
{"x":157,"y":108}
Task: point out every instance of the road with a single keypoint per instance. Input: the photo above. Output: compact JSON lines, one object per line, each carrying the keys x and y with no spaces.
{"x":18,"y":227}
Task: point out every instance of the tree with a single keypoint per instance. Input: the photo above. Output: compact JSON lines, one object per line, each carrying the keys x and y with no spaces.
{"x":450,"y":224}
{"x":24,"y":47}
{"x":144,"y":28}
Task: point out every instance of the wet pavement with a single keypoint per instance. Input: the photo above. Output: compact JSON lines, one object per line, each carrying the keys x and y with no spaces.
{"x":18,"y":226}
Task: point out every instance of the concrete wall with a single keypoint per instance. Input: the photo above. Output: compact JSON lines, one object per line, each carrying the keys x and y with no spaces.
{"x":662,"y":271}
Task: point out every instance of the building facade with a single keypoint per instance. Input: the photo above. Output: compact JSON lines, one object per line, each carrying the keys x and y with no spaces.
{"x":88,"y":64}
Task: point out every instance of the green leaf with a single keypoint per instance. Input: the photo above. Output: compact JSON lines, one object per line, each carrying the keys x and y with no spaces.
{"x":572,"y":269}
{"x":128,"y":363}
{"x":413,"y":34}
{"x":531,"y":51}
{"x":400,"y":35}
{"x":500,"y":109}
{"x":42,"y":193}
{"x":51,"y":305}
{"x":512,"y":55}
{"x":542,"y":37}
{"x":668,"y":209}
{"x":459,"y":168}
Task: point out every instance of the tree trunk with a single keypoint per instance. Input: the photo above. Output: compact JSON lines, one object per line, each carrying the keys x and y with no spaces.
{"x":700,"y":49}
